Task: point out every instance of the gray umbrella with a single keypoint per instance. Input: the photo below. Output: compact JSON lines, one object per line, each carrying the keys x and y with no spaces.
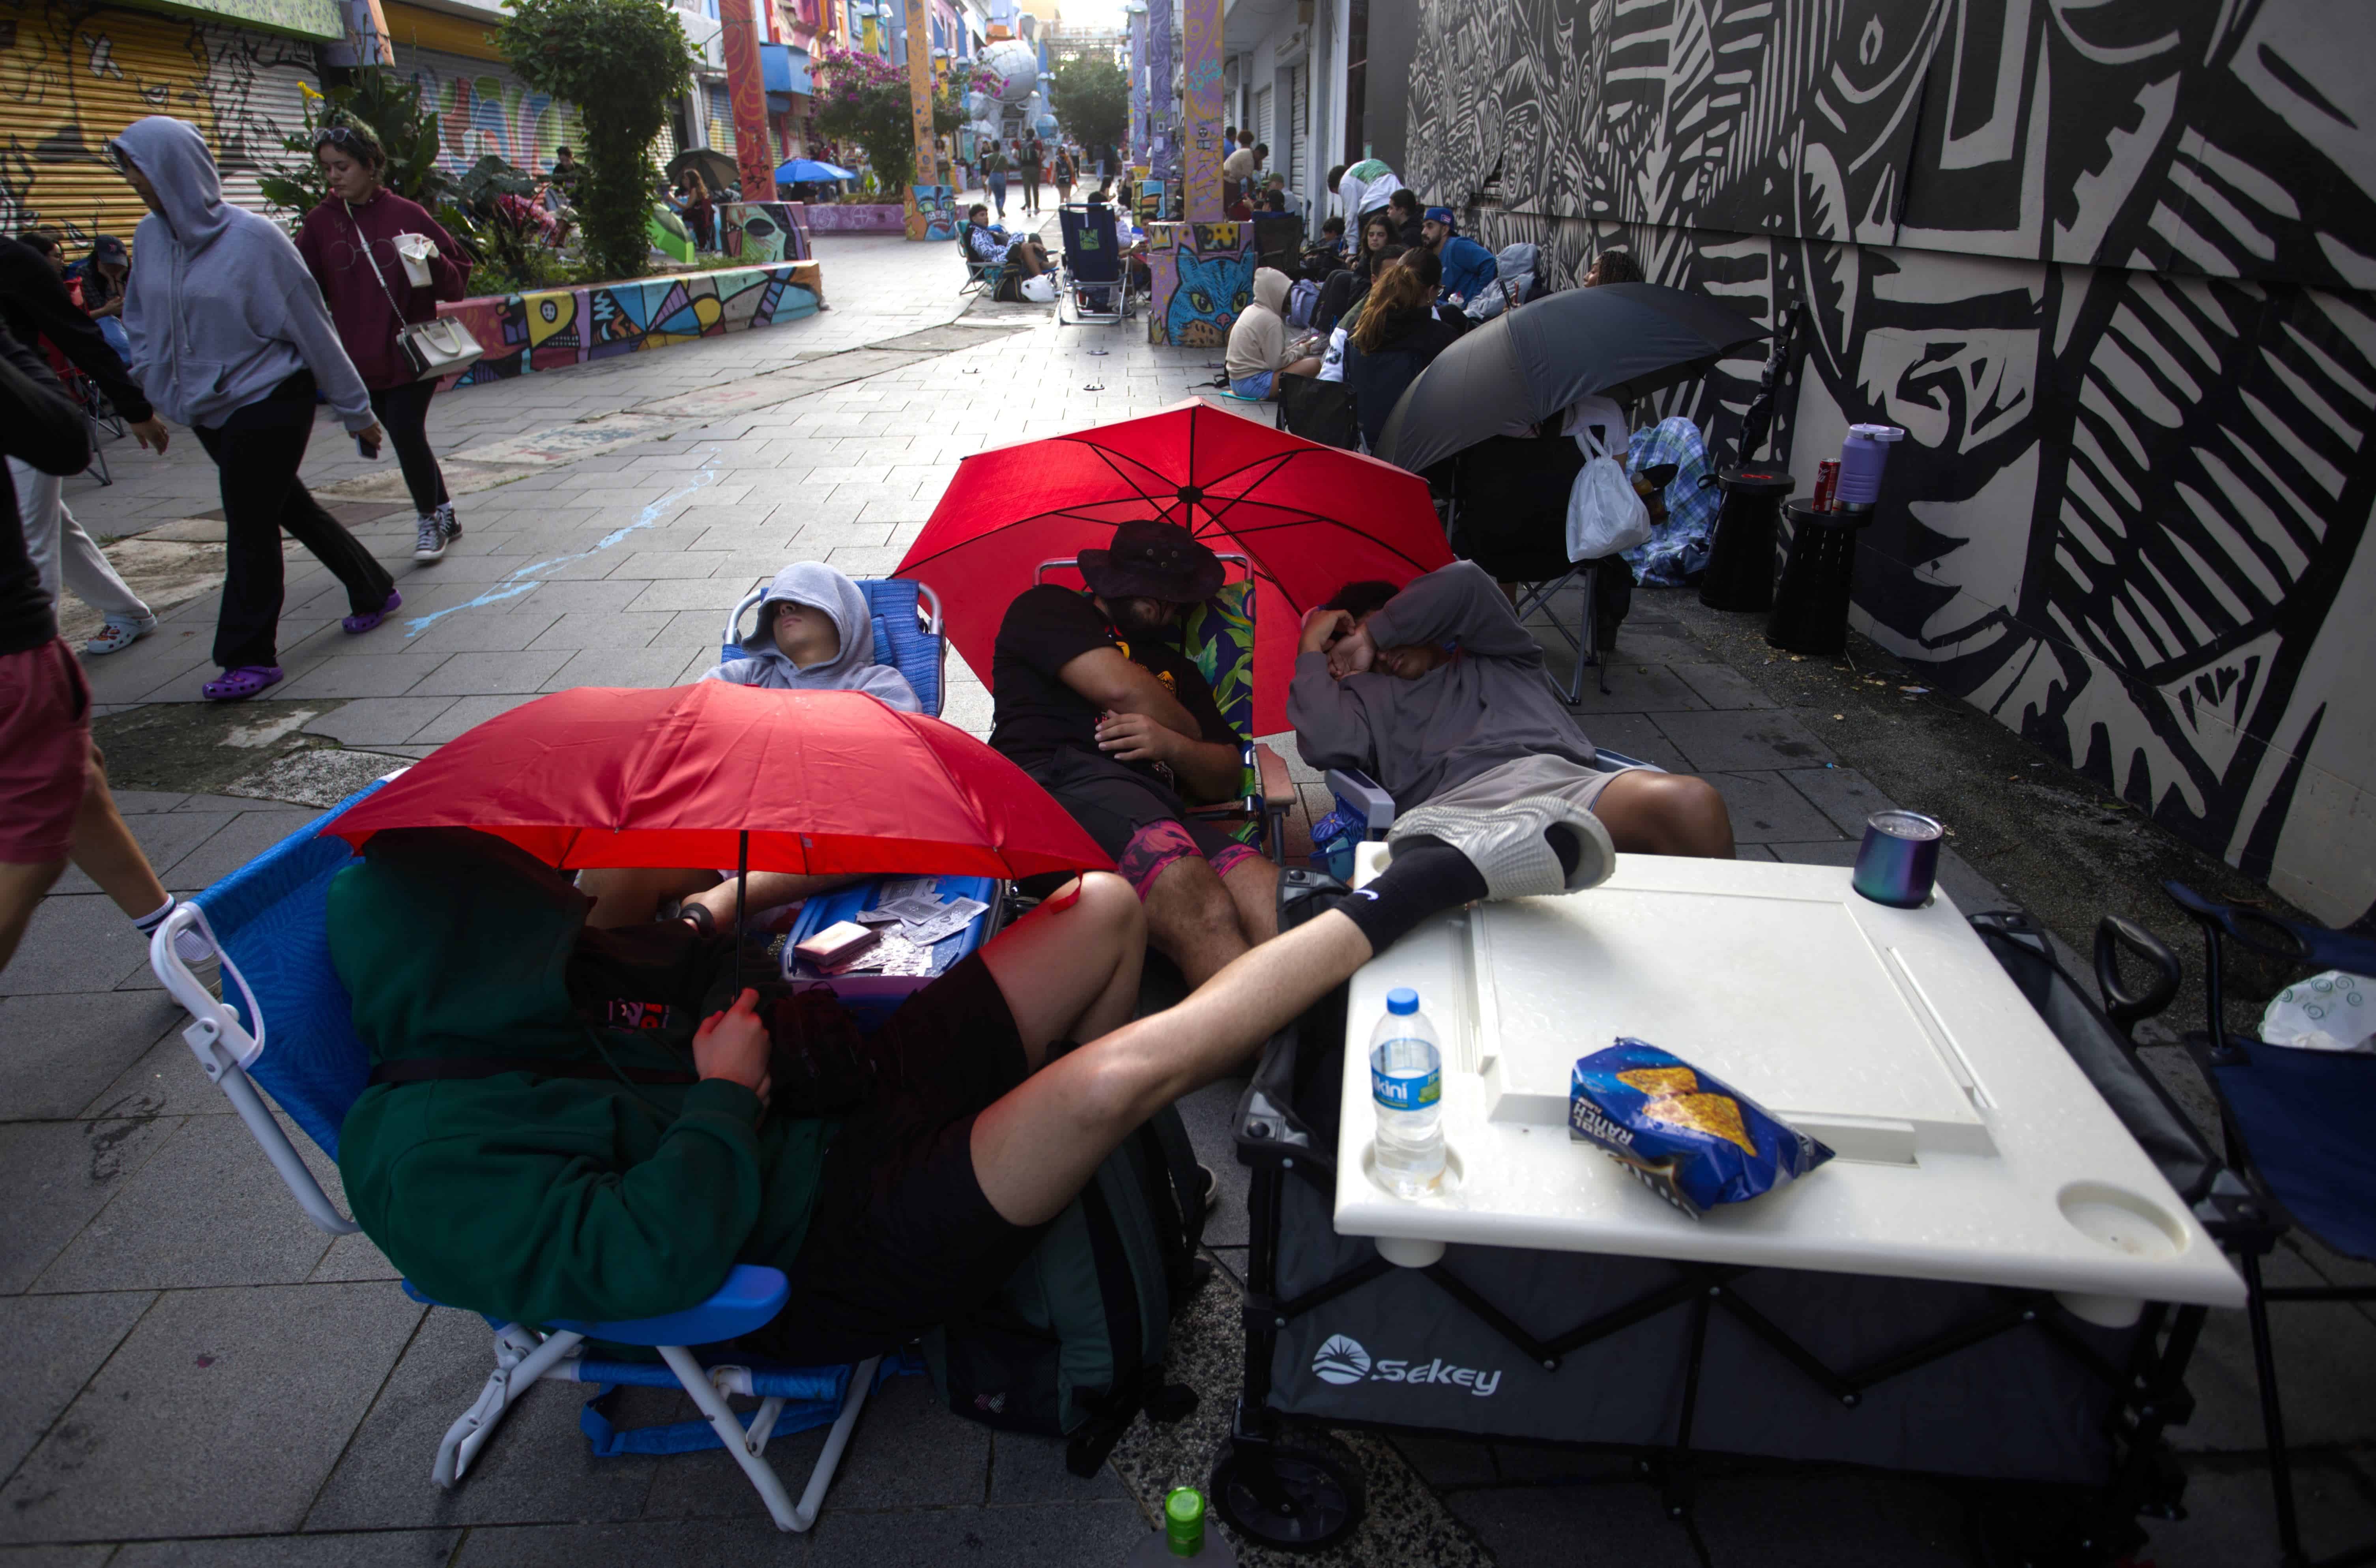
{"x":1621,"y":340}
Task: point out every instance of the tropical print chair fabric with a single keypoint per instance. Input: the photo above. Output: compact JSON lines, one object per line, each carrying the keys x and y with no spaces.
{"x":1218,"y":634}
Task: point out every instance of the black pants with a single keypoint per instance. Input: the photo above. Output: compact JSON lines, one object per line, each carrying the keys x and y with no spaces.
{"x":404,"y":413}
{"x":1030,"y":193}
{"x":257,"y":462}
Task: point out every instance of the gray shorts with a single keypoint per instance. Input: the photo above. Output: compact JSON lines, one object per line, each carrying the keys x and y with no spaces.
{"x":1510,"y":782}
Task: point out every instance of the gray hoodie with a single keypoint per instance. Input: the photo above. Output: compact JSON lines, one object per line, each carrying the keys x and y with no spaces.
{"x":220,"y":309}
{"x":819,"y":586}
{"x":1514,"y":277}
{"x":1491,"y":705}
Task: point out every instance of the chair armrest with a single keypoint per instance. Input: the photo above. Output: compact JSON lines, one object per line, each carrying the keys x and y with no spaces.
{"x":749,"y":1298}
{"x":1277,"y":786}
{"x":1362,"y":793}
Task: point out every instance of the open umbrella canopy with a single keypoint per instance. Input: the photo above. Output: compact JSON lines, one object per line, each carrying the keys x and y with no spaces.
{"x":808,"y":172}
{"x":831,"y":782}
{"x":1308,"y":518}
{"x":718,"y":171}
{"x":1621,"y":341}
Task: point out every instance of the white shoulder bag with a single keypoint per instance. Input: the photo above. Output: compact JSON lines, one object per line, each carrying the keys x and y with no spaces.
{"x":438,"y":346}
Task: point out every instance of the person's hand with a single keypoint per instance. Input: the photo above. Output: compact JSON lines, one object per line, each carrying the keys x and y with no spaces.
{"x":1134,"y":737}
{"x":1353,"y":654}
{"x":1321,"y":628}
{"x":371,"y":435}
{"x":152,"y":434}
{"x":733,"y":1045}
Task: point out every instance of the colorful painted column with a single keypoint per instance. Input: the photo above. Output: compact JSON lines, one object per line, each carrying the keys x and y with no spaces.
{"x":746,"y":89}
{"x":924,"y":178}
{"x":1162,"y":124}
{"x":1138,"y":95}
{"x":1200,"y":36}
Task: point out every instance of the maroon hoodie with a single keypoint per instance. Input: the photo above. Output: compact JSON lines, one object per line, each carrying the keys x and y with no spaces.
{"x":331,"y":241}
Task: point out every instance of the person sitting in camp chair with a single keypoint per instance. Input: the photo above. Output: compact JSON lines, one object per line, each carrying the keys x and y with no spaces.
{"x":1023,"y":255}
{"x":814,"y":632}
{"x":1095,"y":702}
{"x":1438,"y":693}
{"x":570,"y":1124}
{"x":1258,"y":351}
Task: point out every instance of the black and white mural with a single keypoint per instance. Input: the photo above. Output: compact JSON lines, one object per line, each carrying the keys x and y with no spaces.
{"x":2108,"y":262}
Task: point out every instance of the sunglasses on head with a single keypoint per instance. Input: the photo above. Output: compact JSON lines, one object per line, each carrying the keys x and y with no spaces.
{"x":343,"y":136}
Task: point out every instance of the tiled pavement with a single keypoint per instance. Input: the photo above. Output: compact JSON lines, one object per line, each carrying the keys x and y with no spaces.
{"x":197,"y":1374}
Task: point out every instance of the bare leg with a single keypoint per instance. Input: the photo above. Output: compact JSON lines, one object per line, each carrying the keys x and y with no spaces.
{"x":105,"y":849}
{"x":763,"y":890}
{"x":1307,"y":366}
{"x":632,"y":895}
{"x":1252,"y":885}
{"x":1035,"y":1146}
{"x":21,"y":886}
{"x":1192,"y":919}
{"x":1665,"y":813}
{"x":1069,"y":969}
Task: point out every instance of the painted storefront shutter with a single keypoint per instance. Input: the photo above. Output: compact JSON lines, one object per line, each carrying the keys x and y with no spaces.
{"x":79,"y":77}
{"x":485,"y":109}
{"x":721,"y":119}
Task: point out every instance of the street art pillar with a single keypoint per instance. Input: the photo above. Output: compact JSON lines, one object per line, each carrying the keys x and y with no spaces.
{"x":746,"y":89}
{"x":1138,"y":94}
{"x":1163,"y":124}
{"x":1200,"y":36}
{"x":924,"y":178}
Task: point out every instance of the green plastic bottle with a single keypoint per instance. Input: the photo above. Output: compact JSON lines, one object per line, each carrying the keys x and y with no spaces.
{"x":1184,"y":1536}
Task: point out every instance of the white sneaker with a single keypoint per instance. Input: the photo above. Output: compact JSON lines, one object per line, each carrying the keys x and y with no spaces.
{"x":1507,"y":846}
{"x":120,"y":634}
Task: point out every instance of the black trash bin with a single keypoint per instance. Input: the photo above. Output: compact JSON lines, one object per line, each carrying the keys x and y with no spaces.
{"x":1811,"y":606}
{"x":1741,"y":557}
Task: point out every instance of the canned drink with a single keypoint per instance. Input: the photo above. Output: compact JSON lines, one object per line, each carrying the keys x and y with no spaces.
{"x":1827,"y":483}
{"x":1899,"y":859}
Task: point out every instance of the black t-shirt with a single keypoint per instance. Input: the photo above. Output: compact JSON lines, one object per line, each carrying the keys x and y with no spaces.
{"x":1035,"y":713}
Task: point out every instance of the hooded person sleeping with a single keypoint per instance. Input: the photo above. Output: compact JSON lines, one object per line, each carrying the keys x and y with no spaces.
{"x":815,"y":633}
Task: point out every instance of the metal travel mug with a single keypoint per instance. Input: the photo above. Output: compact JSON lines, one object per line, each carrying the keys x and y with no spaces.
{"x":1899,"y":859}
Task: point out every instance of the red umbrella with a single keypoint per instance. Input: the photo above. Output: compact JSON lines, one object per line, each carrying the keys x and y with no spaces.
{"x":1308,"y":518}
{"x":831,"y":782}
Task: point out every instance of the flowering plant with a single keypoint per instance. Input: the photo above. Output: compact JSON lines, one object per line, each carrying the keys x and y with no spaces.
{"x":862,"y":97}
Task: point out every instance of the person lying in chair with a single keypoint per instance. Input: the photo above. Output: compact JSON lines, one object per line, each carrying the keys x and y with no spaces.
{"x":1023,"y":255}
{"x":815,"y":633}
{"x":565,"y":1123}
{"x":1438,"y":693}
{"x":1093,"y":698}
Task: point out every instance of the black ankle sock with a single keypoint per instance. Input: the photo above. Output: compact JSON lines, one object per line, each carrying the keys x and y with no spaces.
{"x":1427,"y":875}
{"x":1563,"y":840}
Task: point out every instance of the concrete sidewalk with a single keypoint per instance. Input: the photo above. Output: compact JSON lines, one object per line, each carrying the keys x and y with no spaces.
{"x":200,"y":1377}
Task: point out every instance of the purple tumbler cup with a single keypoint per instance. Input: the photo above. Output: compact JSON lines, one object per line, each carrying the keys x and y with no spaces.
{"x":1899,"y":859}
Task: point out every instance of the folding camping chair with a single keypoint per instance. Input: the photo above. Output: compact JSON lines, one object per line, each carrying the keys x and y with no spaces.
{"x":1509,"y":514}
{"x":99,"y":418}
{"x":292,"y":1031}
{"x":1218,"y":636}
{"x":2300,"y":1126}
{"x":907,"y":634}
{"x":981,"y":277}
{"x":1094,"y":274}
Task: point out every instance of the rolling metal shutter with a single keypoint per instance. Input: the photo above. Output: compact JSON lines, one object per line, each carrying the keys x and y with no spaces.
{"x":1262,"y":118}
{"x":485,"y":109}
{"x":1298,"y":143}
{"x":85,"y":75}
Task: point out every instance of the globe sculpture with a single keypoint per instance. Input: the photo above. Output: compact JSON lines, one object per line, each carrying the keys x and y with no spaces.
{"x":1013,"y":67}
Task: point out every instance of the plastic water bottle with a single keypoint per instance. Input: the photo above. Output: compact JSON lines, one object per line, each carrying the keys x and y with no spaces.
{"x":1184,"y":1535}
{"x":1407,"y":1082}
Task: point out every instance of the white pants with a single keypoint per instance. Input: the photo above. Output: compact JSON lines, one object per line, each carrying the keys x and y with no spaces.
{"x":58,"y":546}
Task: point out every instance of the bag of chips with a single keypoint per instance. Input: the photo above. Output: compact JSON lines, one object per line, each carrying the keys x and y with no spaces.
{"x":1692,"y":1138}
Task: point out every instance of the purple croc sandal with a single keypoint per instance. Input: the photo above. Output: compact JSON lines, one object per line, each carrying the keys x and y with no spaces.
{"x":357,"y":626}
{"x":238,"y":685}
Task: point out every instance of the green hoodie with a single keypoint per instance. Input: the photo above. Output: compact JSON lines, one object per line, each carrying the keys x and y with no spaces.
{"x":527,"y":1198}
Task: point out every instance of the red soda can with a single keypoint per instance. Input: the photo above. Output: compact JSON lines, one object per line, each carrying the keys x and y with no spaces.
{"x":1827,"y":483}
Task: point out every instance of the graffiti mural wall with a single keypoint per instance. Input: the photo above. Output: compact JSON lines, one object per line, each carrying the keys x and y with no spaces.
{"x":764,"y":231}
{"x":483,"y":109}
{"x":2109,"y":266}
{"x":1203,"y":275}
{"x":554,"y":328}
{"x":74,"y":76}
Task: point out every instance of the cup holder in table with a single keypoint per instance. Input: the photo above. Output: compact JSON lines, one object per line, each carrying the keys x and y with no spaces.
{"x":2120,"y":1221}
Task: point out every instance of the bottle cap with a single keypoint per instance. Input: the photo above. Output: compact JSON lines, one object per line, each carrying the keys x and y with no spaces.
{"x":1183,"y":1521}
{"x":1402,"y":998}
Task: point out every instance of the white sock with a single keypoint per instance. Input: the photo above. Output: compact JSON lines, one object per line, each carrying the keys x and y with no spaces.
{"x":188,"y":945}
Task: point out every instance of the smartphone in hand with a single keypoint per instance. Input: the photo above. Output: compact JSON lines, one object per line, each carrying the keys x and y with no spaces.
{"x":369,"y":452}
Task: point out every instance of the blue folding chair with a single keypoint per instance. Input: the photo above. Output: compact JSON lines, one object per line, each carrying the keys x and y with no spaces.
{"x":1094,"y":274}
{"x":908,"y":635}
{"x":289,"y":1028}
{"x":2301,"y":1127}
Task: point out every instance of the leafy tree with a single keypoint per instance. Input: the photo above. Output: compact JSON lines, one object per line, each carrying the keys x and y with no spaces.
{"x":863,"y":98}
{"x":623,"y":63}
{"x":387,"y":105}
{"x":1091,"y":98}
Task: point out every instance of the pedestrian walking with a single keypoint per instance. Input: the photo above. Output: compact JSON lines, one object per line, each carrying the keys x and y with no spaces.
{"x":994,"y":175}
{"x":1068,"y":173}
{"x":1033,"y":155}
{"x":34,"y":304}
{"x":350,"y":246}
{"x":231,"y":337}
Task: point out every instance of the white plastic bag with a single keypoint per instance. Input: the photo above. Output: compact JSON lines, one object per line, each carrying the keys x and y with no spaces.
{"x":1604,"y":515}
{"x":1040,"y":288}
{"x":2330,"y":1012}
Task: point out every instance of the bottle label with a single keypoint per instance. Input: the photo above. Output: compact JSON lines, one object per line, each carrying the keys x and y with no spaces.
{"x":1410,"y":1091}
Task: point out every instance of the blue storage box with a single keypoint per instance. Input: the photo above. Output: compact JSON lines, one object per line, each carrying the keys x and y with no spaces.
{"x":873,"y":998}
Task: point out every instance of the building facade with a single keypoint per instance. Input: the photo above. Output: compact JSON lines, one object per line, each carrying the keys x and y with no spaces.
{"x":2110,"y":268}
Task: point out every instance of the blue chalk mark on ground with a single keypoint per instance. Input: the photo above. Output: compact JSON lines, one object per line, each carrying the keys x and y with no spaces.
{"x":526,"y":579}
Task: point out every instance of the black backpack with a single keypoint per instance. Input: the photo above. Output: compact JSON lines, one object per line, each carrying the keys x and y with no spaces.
{"x":1073,"y":1343}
